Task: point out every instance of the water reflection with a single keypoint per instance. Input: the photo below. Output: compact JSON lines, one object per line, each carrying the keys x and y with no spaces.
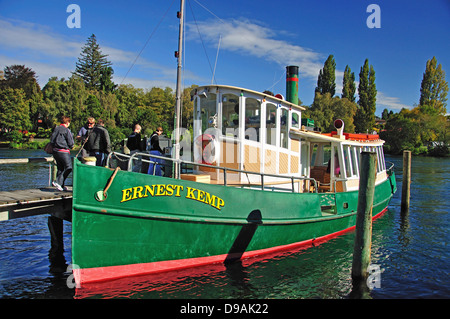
{"x":411,"y":250}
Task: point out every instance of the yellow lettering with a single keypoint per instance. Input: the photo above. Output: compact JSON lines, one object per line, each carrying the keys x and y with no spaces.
{"x":150,"y":190}
{"x":178,"y":187}
{"x":160,"y":190}
{"x":190,"y":193}
{"x":210,"y":199}
{"x":220,"y":203}
{"x":126,"y":195}
{"x":137,"y":190}
{"x":169,"y":190}
{"x":200,"y":195}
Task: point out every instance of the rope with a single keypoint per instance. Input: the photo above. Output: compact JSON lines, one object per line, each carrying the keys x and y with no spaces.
{"x":148,"y":39}
{"x":201,"y":39}
{"x":111,"y":179}
{"x":82,"y":146}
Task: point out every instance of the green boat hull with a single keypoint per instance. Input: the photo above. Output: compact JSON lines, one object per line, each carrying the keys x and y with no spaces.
{"x":150,"y":224}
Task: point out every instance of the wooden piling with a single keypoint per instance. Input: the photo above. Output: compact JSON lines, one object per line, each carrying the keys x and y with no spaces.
{"x":406,"y":183}
{"x":363,"y":238}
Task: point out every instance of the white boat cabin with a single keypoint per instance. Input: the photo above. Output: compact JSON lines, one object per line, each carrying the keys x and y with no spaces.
{"x":250,"y":131}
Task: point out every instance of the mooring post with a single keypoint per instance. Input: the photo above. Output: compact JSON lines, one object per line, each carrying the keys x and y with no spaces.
{"x":363,"y":238}
{"x":56,"y":252}
{"x":406,"y":183}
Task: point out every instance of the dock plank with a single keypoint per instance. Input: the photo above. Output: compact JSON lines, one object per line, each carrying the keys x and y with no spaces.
{"x":30,"y":202}
{"x":29,"y":195}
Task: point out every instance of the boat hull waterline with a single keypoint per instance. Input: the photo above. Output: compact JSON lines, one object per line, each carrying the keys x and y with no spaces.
{"x":149,"y":224}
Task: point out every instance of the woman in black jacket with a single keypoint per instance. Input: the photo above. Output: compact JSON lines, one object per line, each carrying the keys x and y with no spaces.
{"x":62,"y":141}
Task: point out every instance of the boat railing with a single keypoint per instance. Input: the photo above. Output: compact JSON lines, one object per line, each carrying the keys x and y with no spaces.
{"x":141,"y":156}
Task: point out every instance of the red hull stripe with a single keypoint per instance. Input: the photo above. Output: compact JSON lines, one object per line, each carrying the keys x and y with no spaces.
{"x":292,"y":79}
{"x":97,"y":274}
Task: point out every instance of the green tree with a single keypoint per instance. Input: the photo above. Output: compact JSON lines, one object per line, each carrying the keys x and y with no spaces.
{"x":401,"y":132}
{"x":434,"y":88}
{"x":348,"y":85}
{"x":385,"y":115}
{"x":129,"y":98}
{"x":162,"y":102}
{"x":65,"y":97}
{"x":365,"y":114}
{"x":21,"y":77}
{"x":106,"y":83}
{"x":93,"y":66}
{"x":14,"y":111}
{"x":326,"y":82}
{"x":93,"y":107}
{"x":326,"y":109}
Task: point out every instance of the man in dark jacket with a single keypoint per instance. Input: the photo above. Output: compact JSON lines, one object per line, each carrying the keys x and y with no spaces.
{"x":84,"y":133}
{"x":155,"y":149}
{"x":98,"y":143}
{"x":134,"y":144}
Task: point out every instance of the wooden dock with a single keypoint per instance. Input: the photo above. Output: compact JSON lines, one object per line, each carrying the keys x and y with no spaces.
{"x":30,"y":202}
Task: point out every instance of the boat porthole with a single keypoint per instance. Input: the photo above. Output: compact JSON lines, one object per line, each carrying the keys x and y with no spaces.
{"x":99,"y":196}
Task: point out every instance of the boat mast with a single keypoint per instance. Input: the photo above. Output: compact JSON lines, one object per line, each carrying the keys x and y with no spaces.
{"x":178,"y":54}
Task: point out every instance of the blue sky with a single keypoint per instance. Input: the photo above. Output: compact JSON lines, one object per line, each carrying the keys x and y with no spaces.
{"x":258,"y":39}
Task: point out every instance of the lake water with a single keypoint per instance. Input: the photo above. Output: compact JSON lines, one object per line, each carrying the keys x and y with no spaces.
{"x":410,"y":250}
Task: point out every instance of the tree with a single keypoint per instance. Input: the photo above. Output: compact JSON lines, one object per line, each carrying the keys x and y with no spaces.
{"x":93,"y":106}
{"x":401,"y":133}
{"x":14,"y":111}
{"x":65,"y":97}
{"x":106,"y":84}
{"x":434,"y":88}
{"x":385,"y":115}
{"x":129,"y":98}
{"x":20,"y":77}
{"x":365,"y":114}
{"x":327,"y":77}
{"x":326,"y":109}
{"x":93,"y":67}
{"x":348,"y":85}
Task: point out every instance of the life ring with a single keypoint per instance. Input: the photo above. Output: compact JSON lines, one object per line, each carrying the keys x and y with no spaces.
{"x":209,"y":148}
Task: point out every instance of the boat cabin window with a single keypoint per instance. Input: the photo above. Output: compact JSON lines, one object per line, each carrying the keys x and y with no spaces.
{"x":295,"y":120}
{"x":348,"y":161}
{"x":380,"y":157}
{"x":230,"y":115}
{"x":208,"y":112}
{"x":284,"y":128}
{"x":252,"y":119}
{"x":271,"y":132}
{"x":321,"y":154}
{"x":355,"y":151}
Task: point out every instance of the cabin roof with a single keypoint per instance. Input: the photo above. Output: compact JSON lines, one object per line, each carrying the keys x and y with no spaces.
{"x":324,"y":138}
{"x":262,"y":95}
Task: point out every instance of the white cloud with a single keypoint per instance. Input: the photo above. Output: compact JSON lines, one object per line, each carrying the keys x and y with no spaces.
{"x":392,"y":103}
{"x":259,"y":41}
{"x":50,"y":54}
{"x":36,"y":38}
{"x":44,"y":71}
